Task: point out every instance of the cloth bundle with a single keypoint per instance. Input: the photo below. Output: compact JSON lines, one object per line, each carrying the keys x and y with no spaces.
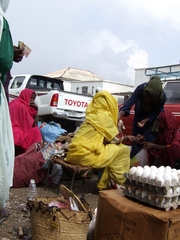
{"x":50,"y":131}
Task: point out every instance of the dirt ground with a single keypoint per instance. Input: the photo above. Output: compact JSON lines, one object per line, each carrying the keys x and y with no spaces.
{"x":19,"y":215}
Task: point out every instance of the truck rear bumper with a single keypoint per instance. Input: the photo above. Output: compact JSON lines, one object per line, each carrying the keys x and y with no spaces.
{"x":64,"y":115}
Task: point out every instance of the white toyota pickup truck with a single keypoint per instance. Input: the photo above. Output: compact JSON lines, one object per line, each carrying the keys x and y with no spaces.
{"x":53,"y":102}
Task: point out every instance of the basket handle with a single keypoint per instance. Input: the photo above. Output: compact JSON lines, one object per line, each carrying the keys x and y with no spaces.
{"x":69,"y":193}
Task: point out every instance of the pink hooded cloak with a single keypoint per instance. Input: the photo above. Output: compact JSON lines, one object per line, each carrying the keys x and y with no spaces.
{"x":22,"y":118}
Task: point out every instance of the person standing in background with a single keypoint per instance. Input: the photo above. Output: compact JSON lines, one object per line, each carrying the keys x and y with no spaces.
{"x":98,"y":89}
{"x":149,"y":99}
{"x":6,"y":134}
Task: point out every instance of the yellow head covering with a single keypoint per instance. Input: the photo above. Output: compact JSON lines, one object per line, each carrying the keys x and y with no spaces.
{"x":102,"y":114}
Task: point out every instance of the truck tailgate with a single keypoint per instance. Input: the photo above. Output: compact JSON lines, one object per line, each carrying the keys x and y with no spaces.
{"x":67,"y":105}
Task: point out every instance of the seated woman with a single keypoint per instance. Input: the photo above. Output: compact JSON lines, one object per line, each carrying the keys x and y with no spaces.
{"x":92,"y":146}
{"x":166,"y":148}
{"x":23,"y":111}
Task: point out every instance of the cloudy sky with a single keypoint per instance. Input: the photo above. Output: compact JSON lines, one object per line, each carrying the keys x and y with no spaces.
{"x":107,"y":37}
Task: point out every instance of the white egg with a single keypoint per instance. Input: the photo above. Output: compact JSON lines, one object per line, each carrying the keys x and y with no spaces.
{"x":170,"y":200}
{"x":160,"y":172}
{"x":139,"y":167}
{"x":157,"y":200}
{"x":138,"y":192}
{"x":131,"y":173}
{"x":168,"y":168}
{"x":138,"y":173}
{"x":178,"y":171}
{"x":169,"y":192}
{"x":174,"y":170}
{"x":146,"y":173}
{"x":151,"y":176}
{"x":175,"y":178}
{"x":167,"y":179}
{"x":154,"y":168}
{"x":176,"y":191}
{"x":175,"y":199}
{"x":144,"y":194}
{"x":149,"y":197}
{"x":132,"y":170}
{"x":162,"y":201}
{"x":147,"y":167}
{"x":159,"y":180}
{"x":129,"y":190}
{"x":161,"y":168}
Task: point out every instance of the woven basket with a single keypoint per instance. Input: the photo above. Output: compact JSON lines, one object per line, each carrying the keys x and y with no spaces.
{"x":51,"y":223}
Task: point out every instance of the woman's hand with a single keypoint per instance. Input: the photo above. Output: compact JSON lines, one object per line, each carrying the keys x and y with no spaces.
{"x":140,"y":138}
{"x":18,"y":54}
{"x":33,"y":105}
{"x":36,"y":119}
{"x":148,"y":145}
{"x":120,"y":115}
{"x":142,"y":123}
{"x":130,"y":138}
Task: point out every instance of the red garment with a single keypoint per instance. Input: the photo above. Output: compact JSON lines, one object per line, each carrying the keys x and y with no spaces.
{"x":29,"y":166}
{"x":22,"y":118}
{"x":170,"y":138}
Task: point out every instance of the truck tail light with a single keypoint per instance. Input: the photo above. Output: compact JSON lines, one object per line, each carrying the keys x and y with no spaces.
{"x":54,"y":100}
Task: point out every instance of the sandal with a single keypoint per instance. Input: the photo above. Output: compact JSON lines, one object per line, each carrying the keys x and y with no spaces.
{"x":5,"y":215}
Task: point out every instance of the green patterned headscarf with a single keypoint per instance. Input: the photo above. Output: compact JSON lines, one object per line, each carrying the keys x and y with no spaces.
{"x":154,"y":88}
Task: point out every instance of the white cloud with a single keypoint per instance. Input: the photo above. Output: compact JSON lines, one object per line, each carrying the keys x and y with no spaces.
{"x":109,"y":38}
{"x":137,"y":58}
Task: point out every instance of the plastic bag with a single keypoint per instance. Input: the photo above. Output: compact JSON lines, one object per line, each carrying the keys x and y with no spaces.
{"x":140,"y":159}
{"x":51,"y":131}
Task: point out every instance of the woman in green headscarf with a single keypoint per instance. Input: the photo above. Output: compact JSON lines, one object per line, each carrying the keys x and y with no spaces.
{"x":149,"y":99}
{"x":6,"y":135}
{"x":88,"y":147}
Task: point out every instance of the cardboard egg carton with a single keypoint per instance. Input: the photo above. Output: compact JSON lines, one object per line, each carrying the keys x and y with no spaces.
{"x":158,"y":181}
{"x":161,"y":202}
{"x":159,"y":191}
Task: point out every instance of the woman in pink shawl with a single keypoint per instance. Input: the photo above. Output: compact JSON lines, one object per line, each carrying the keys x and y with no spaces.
{"x":23,"y":111}
{"x":166,"y":149}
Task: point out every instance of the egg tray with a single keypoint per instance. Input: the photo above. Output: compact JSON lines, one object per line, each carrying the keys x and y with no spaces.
{"x":165,"y":203}
{"x":131,"y":177}
{"x":158,"y":191}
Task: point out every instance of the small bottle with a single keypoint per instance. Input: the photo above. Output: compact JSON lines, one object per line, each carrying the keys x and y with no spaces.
{"x":32,"y":191}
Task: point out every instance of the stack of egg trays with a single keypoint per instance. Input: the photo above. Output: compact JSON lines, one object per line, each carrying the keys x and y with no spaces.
{"x":164,"y":197}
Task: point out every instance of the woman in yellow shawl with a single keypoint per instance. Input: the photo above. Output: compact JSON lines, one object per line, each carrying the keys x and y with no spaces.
{"x":88,"y":148}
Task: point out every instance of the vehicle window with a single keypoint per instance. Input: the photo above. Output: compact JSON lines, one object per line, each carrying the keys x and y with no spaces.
{"x":49,"y":85}
{"x":172,"y":91}
{"x":17,"y":82}
{"x":33,"y":82}
{"x":42,"y":84}
{"x":56,"y":86}
{"x":53,"y":85}
{"x":84,"y":90}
